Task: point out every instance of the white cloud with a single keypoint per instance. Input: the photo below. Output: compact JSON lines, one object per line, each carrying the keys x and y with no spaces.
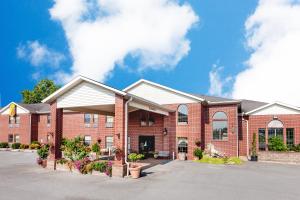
{"x":39,"y":54}
{"x":102,"y":33}
{"x":273,"y":69}
{"x":218,"y":83}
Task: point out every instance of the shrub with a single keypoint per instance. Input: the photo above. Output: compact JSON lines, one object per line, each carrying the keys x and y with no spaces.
{"x":16,"y":145}
{"x":24,"y":146}
{"x":74,"y":149}
{"x":35,"y":142}
{"x":295,"y":148}
{"x":43,"y":152}
{"x":61,"y":161}
{"x":100,"y":166}
{"x":276,"y":144}
{"x":96,"y":148}
{"x":34,"y":146}
{"x":198,"y":153}
{"x":4,"y":145}
{"x":134,"y":157}
{"x":253,"y":149}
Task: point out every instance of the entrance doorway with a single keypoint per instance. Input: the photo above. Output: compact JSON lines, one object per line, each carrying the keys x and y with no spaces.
{"x":147,"y":145}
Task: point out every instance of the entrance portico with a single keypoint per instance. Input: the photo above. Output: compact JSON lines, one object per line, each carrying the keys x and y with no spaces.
{"x":88,"y":96}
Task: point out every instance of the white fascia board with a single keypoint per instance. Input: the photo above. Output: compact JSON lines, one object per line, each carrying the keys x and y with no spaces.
{"x":161,"y":86}
{"x":76,"y":81}
{"x":223,"y":102}
{"x":270,"y":104}
{"x":7,"y":106}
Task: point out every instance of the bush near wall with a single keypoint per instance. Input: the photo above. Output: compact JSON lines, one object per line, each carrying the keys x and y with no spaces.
{"x":276,"y":144}
{"x":16,"y":145}
{"x":4,"y":145}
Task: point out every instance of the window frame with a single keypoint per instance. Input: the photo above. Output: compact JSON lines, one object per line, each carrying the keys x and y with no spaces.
{"x":224,"y":120}
{"x":109,"y":124}
{"x":182,"y":149}
{"x":87,"y":142}
{"x":109,"y":142}
{"x":179,"y":122}
{"x":85,"y":118}
{"x":287,"y":139}
{"x":15,"y":138}
{"x":48,"y":119}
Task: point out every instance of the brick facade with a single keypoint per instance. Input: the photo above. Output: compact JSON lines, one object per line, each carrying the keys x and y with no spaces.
{"x":34,"y":127}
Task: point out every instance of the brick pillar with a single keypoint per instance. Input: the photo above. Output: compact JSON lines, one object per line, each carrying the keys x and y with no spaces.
{"x":119,"y":136}
{"x":56,"y":130}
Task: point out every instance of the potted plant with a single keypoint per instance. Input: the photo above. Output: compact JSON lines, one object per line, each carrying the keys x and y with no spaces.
{"x":96,"y":150}
{"x":118,"y":153}
{"x":134,"y":168}
{"x":198,"y":153}
{"x":43,"y":153}
{"x":253,"y":149}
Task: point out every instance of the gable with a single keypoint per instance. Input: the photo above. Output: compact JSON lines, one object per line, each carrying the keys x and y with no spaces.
{"x":85,"y":94}
{"x":19,"y":110}
{"x":276,"y":109}
{"x":159,"y":95}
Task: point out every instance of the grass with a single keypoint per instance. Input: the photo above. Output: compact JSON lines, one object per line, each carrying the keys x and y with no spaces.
{"x":221,"y":161}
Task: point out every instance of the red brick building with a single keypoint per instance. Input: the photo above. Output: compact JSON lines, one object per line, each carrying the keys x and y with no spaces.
{"x":148,"y":117}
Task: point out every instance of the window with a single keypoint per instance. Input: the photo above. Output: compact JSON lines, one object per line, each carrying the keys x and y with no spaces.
{"x":87,"y":140}
{"x":17,"y":119}
{"x":151,"y":120}
{"x":10,"y":138}
{"x":275,"y":129}
{"x":16,"y":138}
{"x":220,"y":126}
{"x":109,"y":142}
{"x":182,"y":114}
{"x":109,"y":122}
{"x":11,"y":120}
{"x":262,"y":139}
{"x":290,"y":137}
{"x":182,"y":145}
{"x":87,"y":118}
{"x":48,"y":119}
{"x":143,"y":119}
{"x":147,"y":119}
{"x":95,"y":118}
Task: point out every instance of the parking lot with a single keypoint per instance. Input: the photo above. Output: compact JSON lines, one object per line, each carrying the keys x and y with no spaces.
{"x":21,"y":178}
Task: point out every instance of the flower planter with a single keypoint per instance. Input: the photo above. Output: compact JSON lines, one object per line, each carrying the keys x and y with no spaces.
{"x":44,"y":163}
{"x":182,"y":156}
{"x":155,"y":156}
{"x":253,"y":158}
{"x":135,"y":171}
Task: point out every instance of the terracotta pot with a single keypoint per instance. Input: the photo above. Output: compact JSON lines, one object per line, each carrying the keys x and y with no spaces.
{"x":135,"y":171}
{"x":39,"y":161}
{"x":182,"y":156}
{"x":44,"y":163}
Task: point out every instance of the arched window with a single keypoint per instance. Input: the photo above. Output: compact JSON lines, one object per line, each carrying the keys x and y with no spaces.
{"x":275,"y":129}
{"x":182,"y":114}
{"x":220,"y":126}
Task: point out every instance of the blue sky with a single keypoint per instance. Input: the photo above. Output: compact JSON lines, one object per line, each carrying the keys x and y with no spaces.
{"x":218,"y":38}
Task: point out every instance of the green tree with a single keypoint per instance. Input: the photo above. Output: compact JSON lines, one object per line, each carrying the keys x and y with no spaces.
{"x":40,"y":91}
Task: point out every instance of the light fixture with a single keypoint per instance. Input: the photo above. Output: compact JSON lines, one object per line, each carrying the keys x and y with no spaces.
{"x":165,"y":131}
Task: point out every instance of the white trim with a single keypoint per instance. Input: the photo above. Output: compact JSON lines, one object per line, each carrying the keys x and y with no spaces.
{"x":4,"y":108}
{"x":271,"y":104}
{"x":223,"y":102}
{"x":161,"y":86}
{"x":75,"y":82}
{"x":148,"y":108}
